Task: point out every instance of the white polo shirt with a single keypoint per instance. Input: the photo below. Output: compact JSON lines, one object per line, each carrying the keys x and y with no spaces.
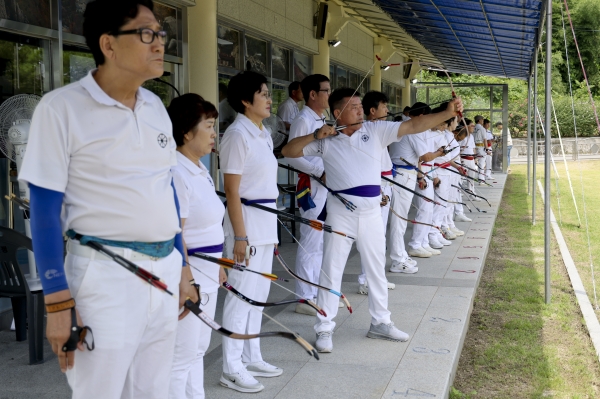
{"x":411,"y":147}
{"x":479,"y":135}
{"x":306,"y":123}
{"x":288,"y":110}
{"x":489,"y":137}
{"x":445,"y":139}
{"x":113,"y":164}
{"x":248,"y":151}
{"x":202,"y":209}
{"x":352,"y":161}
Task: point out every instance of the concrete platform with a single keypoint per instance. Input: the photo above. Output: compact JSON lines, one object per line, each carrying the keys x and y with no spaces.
{"x":433,"y":306}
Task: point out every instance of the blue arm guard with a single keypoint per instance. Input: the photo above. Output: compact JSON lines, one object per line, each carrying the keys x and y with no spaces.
{"x":47,"y":238}
{"x":179,"y":236}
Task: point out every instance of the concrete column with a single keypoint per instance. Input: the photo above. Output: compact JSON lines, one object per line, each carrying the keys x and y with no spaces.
{"x":202,"y":71}
{"x":376,"y":78}
{"x":406,"y":101}
{"x":321,"y":60}
{"x":202,"y":50}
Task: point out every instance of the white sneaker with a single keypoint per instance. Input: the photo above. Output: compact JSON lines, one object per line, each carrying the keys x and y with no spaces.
{"x":324,"y":342}
{"x":457,"y":231}
{"x":445,"y":242}
{"x":431,"y":250}
{"x":404,"y":268}
{"x":460,"y":217}
{"x":448,"y":234}
{"x":419,"y":252}
{"x":411,"y":262}
{"x":263,"y":369}
{"x":434,"y":243}
{"x":241,"y":381}
{"x":303,"y":308}
{"x":391,"y":286}
{"x":387,"y":331}
{"x":363,"y":289}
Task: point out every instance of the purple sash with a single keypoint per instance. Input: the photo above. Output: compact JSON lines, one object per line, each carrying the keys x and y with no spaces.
{"x":211,"y":249}
{"x":361,"y":191}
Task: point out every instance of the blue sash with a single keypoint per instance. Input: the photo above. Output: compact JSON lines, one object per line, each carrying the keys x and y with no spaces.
{"x":156,"y":249}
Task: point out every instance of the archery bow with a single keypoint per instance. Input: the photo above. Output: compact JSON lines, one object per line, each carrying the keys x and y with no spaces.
{"x":142,"y":273}
{"x":468,"y":191}
{"x":412,"y":191}
{"x":469,"y":199}
{"x":348,"y":204}
{"x":414,"y":221}
{"x":195,"y":309}
{"x":315,"y":224}
{"x":230,"y":264}
{"x":289,"y":270}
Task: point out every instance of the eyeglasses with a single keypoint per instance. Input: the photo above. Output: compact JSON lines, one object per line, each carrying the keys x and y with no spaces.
{"x":328,"y":91}
{"x":266,"y":94}
{"x":147,"y":35}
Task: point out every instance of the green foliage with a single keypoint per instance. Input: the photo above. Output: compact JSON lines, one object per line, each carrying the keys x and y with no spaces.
{"x":586,"y":21}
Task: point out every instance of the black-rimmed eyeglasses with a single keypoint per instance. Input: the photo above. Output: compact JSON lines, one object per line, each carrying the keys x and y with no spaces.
{"x":147,"y":35}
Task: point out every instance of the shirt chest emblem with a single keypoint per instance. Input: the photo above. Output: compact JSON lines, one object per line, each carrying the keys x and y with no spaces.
{"x":365,"y":137}
{"x":162,"y":140}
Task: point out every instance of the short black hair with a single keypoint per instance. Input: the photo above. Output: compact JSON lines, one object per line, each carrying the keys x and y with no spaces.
{"x":499,"y":124}
{"x":108,"y":16}
{"x":295,"y":85}
{"x":406,"y":109}
{"x":486,"y":121}
{"x":338,"y":95}
{"x":468,"y":121}
{"x":372,"y":100}
{"x":242,"y":87}
{"x":186,"y":112}
{"x":419,"y":109}
{"x":312,"y":83}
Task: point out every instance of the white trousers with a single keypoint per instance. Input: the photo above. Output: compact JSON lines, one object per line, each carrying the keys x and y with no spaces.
{"x":401,"y":203}
{"x":370,"y":242}
{"x":238,"y":316}
{"x":309,"y":254}
{"x":488,"y":166}
{"x":481,"y":162}
{"x":193,"y":339}
{"x":385,"y":213}
{"x":420,"y":236}
{"x":134,"y":327}
{"x":439,"y":212}
{"x":454,"y":196}
{"x":471,"y":164}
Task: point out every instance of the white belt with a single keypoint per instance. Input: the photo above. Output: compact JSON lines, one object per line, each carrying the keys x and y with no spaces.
{"x":75,"y":248}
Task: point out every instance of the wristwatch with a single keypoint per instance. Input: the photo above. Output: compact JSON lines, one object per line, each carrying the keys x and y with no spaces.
{"x":315,"y":134}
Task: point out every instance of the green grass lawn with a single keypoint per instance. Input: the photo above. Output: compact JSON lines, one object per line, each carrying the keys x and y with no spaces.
{"x":576,"y":237}
{"x":517,"y":346}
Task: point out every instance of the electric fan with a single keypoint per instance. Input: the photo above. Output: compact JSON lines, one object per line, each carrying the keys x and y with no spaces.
{"x":15,"y":120}
{"x":276,"y":127}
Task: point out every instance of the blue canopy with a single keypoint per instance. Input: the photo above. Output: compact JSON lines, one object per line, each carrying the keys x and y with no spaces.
{"x":485,"y":37}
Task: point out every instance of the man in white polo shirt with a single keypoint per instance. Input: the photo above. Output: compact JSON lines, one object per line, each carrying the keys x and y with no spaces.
{"x":480,"y":137}
{"x":102,"y":149}
{"x":352,"y":160}
{"x":311,"y":195}
{"x":288,"y":110}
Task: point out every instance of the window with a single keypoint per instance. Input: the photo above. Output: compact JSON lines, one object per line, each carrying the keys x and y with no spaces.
{"x":256,"y":55}
{"x":24,"y":65}
{"x":32,"y":12}
{"x":228,"y":48}
{"x":280,"y":59}
{"x":77,"y":62}
{"x":169,"y":18}
{"x":341,"y":77}
{"x":302,"y":65}
{"x":72,"y":16}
